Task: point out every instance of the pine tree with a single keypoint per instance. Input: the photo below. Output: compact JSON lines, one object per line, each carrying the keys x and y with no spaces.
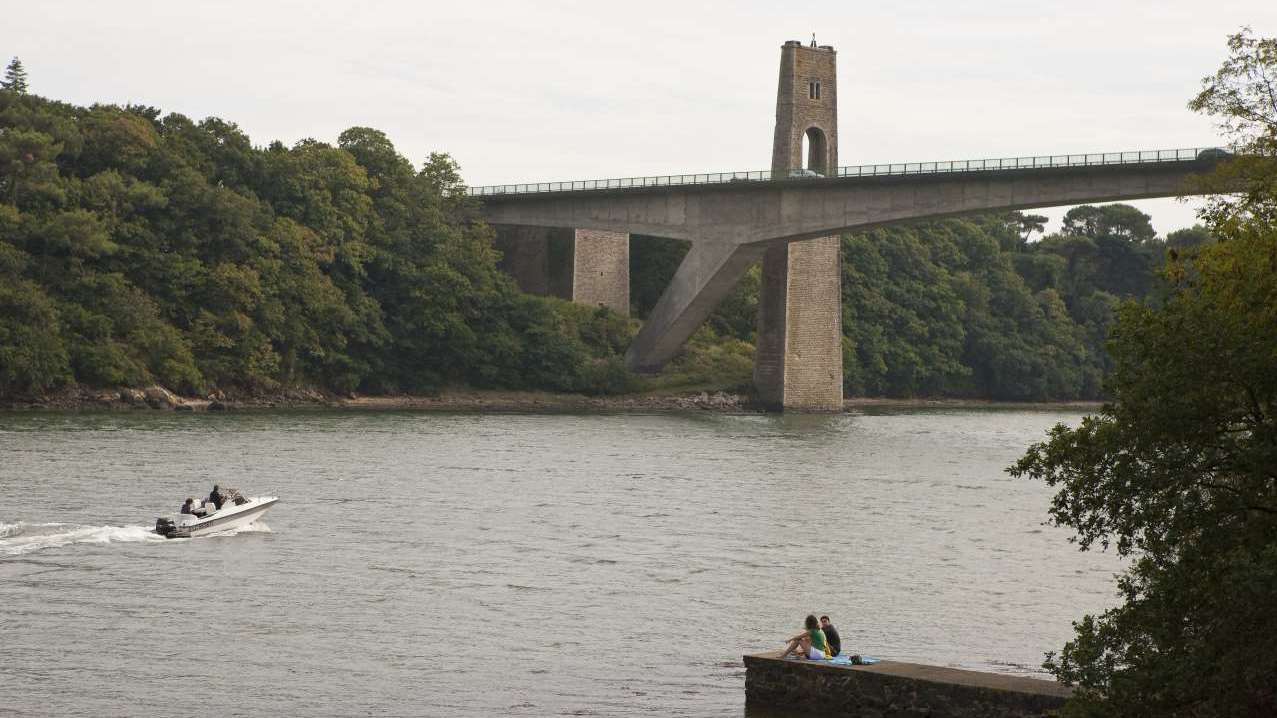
{"x":15,"y":77}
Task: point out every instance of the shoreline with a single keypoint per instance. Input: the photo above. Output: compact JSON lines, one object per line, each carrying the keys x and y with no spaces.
{"x":158,"y":398}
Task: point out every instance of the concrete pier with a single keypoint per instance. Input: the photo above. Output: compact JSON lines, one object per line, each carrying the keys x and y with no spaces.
{"x":900,"y":690}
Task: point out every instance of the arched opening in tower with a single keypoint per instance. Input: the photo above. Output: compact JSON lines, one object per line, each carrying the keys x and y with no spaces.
{"x":816,"y":151}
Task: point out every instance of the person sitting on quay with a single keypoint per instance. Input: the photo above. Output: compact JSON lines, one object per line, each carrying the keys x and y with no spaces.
{"x":831,"y":635}
{"x":809,"y":644}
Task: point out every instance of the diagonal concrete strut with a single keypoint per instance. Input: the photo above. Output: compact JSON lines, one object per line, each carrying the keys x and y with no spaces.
{"x":708,"y":273}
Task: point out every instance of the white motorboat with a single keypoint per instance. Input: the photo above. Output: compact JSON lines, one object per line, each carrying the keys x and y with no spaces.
{"x":237,"y":512}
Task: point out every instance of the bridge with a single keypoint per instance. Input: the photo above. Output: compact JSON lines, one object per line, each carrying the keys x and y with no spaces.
{"x":789,"y":218}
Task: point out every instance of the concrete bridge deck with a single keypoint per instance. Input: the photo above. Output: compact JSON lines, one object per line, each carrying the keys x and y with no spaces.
{"x":790,"y":209}
{"x":870,"y":170}
{"x":732,"y":221}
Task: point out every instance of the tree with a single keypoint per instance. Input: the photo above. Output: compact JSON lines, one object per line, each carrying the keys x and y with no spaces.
{"x":1028,"y":224}
{"x":15,"y":77}
{"x":1189,"y":237}
{"x":26,"y":160}
{"x":1179,"y":471}
{"x":1111,"y":248}
{"x":1121,"y":221}
{"x":1242,"y":97}
{"x":32,"y":355}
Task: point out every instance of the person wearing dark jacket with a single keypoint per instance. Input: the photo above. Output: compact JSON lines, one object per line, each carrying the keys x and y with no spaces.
{"x":215,"y":498}
{"x":831,"y":635}
{"x":189,"y":506}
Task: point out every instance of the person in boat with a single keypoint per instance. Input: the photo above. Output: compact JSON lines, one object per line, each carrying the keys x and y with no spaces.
{"x":809,"y":644}
{"x":189,"y":506}
{"x":215,"y":498}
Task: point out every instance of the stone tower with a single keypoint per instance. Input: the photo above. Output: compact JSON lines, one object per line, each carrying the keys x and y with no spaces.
{"x":798,"y":363}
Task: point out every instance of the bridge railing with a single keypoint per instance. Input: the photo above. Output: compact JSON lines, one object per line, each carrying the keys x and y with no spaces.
{"x":877,"y":170}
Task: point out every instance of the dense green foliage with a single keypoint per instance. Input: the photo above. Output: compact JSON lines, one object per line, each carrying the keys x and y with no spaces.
{"x":966,"y":307}
{"x":136,"y":248}
{"x":970,"y":307}
{"x":15,"y":77}
{"x":1179,"y":471}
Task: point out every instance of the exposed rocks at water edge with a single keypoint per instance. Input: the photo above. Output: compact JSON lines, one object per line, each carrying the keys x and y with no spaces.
{"x":158,"y":398}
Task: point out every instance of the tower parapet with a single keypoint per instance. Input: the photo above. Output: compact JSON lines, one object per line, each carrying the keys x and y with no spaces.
{"x":806,"y":108}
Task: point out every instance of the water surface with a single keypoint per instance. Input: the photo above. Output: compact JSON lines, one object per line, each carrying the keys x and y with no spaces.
{"x":469,"y":565}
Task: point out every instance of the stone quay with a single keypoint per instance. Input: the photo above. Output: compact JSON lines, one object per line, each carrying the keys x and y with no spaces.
{"x":891,"y":689}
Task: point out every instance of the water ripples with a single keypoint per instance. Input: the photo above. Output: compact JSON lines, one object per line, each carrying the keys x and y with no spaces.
{"x":431,"y":564}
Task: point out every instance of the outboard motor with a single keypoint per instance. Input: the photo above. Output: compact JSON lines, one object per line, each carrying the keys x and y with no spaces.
{"x":164,"y":526}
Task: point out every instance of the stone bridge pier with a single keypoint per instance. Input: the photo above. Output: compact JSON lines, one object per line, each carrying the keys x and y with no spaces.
{"x":798,"y":358}
{"x":585,"y":266}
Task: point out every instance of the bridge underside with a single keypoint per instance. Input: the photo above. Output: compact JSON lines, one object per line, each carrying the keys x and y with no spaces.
{"x":733,"y":225}
{"x":585,"y":266}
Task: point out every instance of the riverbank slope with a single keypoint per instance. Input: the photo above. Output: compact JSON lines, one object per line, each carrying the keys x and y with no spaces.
{"x":79,"y":398}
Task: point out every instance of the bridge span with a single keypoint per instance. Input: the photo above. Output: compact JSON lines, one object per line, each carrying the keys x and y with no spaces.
{"x":731,"y":218}
{"x":789,"y":218}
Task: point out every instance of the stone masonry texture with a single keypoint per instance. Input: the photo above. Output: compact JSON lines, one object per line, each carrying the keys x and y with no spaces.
{"x":896,"y":690}
{"x":813,"y":326}
{"x":798,"y":361}
{"x":797,"y":112}
{"x":587,"y":266}
{"x":769,"y":353}
{"x":601,"y":270}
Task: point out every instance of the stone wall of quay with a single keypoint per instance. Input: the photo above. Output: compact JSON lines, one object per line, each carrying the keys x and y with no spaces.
{"x":896,"y":690}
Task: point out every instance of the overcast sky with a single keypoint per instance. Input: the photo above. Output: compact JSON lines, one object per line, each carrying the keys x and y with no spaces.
{"x":552,"y":90}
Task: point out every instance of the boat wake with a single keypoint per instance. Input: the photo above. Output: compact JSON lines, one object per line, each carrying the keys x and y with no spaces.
{"x":23,"y":537}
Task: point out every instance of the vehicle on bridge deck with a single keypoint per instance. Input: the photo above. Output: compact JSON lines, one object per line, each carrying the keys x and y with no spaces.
{"x":237,"y":512}
{"x":1215,"y":154}
{"x":803,"y":173}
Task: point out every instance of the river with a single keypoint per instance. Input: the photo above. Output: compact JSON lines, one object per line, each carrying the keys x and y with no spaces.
{"x":503,"y":564}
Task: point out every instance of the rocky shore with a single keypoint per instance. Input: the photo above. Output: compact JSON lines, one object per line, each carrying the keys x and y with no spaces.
{"x":158,"y":398}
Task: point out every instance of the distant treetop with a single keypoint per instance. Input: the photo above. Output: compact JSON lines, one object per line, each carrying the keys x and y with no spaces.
{"x":15,"y":77}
